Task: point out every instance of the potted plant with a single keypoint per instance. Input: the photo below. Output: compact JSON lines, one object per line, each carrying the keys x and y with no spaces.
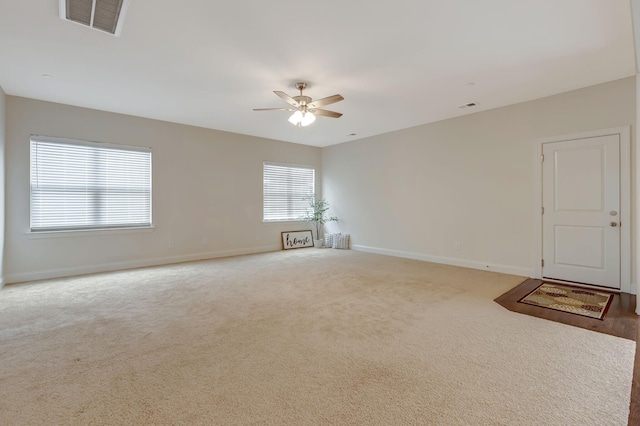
{"x":318,"y":217}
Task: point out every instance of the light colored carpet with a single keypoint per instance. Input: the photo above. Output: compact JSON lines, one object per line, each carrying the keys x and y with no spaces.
{"x":300,"y":337}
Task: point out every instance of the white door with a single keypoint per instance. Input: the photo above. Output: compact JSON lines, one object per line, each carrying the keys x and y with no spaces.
{"x":581,"y":210}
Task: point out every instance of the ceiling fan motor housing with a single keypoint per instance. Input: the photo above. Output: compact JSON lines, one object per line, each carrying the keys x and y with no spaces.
{"x":302,"y":100}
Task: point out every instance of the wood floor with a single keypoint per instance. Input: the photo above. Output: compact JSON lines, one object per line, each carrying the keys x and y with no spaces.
{"x":621,"y":321}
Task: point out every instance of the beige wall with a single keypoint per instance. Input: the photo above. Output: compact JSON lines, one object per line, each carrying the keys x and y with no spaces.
{"x":2,"y":179}
{"x":206,"y":184}
{"x":416,"y":192}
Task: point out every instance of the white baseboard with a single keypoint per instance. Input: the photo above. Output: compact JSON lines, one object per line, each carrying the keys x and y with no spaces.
{"x":505,"y":269}
{"x":117,"y":266}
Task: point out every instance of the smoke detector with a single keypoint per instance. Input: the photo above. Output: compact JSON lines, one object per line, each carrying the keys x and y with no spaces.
{"x":103,"y":15}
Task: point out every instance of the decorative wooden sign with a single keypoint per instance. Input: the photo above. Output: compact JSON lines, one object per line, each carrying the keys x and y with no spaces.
{"x":296,"y":239}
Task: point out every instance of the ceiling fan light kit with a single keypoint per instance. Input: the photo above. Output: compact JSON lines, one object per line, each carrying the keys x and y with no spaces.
{"x":302,"y":119}
{"x":304,"y":108}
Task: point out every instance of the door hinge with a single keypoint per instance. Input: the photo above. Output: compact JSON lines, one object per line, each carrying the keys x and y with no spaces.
{"x":542,"y":263}
{"x":542,"y":158}
{"x":542,"y":210}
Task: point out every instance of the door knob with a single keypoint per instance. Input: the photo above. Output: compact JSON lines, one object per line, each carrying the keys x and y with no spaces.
{"x":614,"y":224}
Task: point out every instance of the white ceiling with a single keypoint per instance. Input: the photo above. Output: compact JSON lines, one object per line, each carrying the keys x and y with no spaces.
{"x":397,"y":63}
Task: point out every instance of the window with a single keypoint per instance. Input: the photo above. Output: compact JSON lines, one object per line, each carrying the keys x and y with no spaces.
{"x":287,"y":190}
{"x":77,"y":185}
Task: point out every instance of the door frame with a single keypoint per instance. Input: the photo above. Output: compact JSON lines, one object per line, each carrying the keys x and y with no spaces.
{"x":624,"y":133}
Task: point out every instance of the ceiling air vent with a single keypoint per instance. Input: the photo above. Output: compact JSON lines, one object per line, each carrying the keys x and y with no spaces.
{"x":469,"y":105}
{"x":103,"y":15}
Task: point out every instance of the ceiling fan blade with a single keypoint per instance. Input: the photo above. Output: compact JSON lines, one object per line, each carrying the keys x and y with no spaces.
{"x":288,"y":99}
{"x":325,"y":101}
{"x":273,"y":109}
{"x":327,"y":113}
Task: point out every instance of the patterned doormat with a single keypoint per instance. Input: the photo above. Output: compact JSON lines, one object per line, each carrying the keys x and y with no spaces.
{"x":575,"y":300}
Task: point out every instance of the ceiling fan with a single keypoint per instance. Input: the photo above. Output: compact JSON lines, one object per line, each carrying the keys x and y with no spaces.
{"x":304,"y":108}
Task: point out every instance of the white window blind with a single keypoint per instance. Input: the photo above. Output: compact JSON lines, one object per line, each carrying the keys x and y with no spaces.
{"x":286,"y":192}
{"x":86,"y":185}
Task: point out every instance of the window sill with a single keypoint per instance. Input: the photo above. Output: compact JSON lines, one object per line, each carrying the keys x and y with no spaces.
{"x":284,"y":221}
{"x":86,"y":232}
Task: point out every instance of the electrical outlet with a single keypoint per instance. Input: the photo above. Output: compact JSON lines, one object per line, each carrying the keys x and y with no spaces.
{"x":170,"y":244}
{"x":457,"y":246}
